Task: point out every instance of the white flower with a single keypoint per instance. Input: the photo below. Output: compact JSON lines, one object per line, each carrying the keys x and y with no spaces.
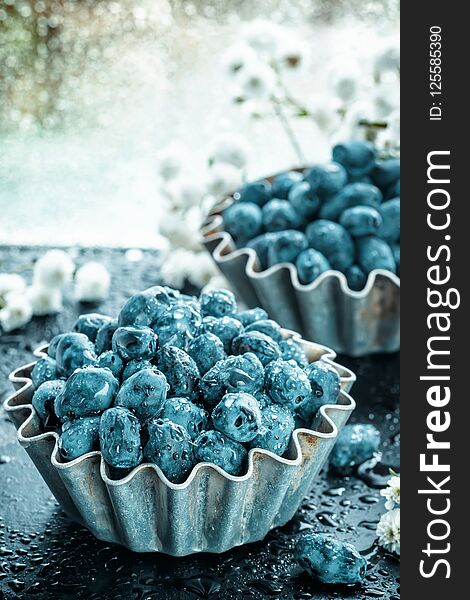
{"x":325,"y":112}
{"x":134,"y":255}
{"x":237,"y":57}
{"x":256,"y":81}
{"x":11,"y":282}
{"x":357,"y":114}
{"x":180,"y":231}
{"x":230,"y":148}
{"x":263,"y":36}
{"x":223,"y":179}
{"x":202,"y":269}
{"x":184,"y":192}
{"x":386,"y":96}
{"x":170,"y":160}
{"x":291,"y":53}
{"x":16,"y":312}
{"x":44,"y":300}
{"x":53,"y":269}
{"x":217,"y":282}
{"x":175,"y":267}
{"x":388,"y":57}
{"x":344,"y":77}
{"x":392,"y":492}
{"x":92,"y":282}
{"x":388,"y":531}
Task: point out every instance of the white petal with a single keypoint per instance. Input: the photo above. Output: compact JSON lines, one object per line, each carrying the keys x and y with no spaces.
{"x":53,"y":269}
{"x":92,"y":282}
{"x":230,"y":148}
{"x":44,"y":300}
{"x":16,"y":312}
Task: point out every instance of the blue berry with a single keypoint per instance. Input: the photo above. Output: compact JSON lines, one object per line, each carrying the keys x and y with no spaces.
{"x":218,"y":303}
{"x":144,"y":393}
{"x":356,"y":278}
{"x":261,"y":245}
{"x":179,"y":324}
{"x":52,"y":347}
{"x":112,"y":361}
{"x":90,"y":324}
{"x":247,"y":317}
{"x":355,"y":444}
{"x":326,"y":180}
{"x":44,"y":370}
{"x":238,"y":416}
{"x":277,"y":425}
{"x":385,"y":173}
{"x":79,"y":437}
{"x":181,"y":372}
{"x":145,"y":308}
{"x":282,"y":184}
{"x":287,"y":384}
{"x":264,"y":347}
{"x":234,"y":374}
{"x":88,"y":391}
{"x":206,"y":350}
{"x":333,"y":241}
{"x":44,"y":399}
{"x":361,"y":220}
{"x":263,"y":400}
{"x":325,"y":384}
{"x":215,"y":447}
{"x":225,"y":328}
{"x":120,"y":438}
{"x":185,"y":413}
{"x":74,"y":351}
{"x":329,"y":560}
{"x":268,"y":327}
{"x":279,"y":215}
{"x":104,"y":336}
{"x":357,"y":157}
{"x":169,"y":447}
{"x":135,"y":365}
{"x":393,"y":191}
{"x":375,"y":253}
{"x":291,"y":350}
{"x":243,"y":220}
{"x":286,"y":246}
{"x":310,"y":264}
{"x":353,"y":194}
{"x":305,"y":202}
{"x":258,"y":192}
{"x":135,"y":342}
{"x":390,"y":228}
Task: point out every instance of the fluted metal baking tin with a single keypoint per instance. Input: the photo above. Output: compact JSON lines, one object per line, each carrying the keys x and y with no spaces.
{"x":211,"y":511}
{"x":327,"y":310}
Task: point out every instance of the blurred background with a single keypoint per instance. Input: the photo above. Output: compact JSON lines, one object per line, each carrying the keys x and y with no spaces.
{"x":93,"y":91}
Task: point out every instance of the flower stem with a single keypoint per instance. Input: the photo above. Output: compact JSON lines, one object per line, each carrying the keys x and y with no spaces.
{"x":279,"y":111}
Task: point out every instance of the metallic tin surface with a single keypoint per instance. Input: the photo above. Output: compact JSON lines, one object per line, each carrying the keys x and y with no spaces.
{"x":354,"y":323}
{"x":211,"y":511}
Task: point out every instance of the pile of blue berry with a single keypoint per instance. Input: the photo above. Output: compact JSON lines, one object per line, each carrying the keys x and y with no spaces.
{"x":343,"y":215}
{"x":176,"y":380}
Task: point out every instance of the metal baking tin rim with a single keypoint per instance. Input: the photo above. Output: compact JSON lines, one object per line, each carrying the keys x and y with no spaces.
{"x":225,"y":251}
{"x":327,"y":355}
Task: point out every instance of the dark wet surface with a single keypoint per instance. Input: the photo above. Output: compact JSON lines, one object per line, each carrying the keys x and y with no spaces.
{"x":44,"y":555}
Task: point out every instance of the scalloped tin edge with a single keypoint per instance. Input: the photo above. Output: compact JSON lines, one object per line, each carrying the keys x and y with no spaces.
{"x":225,"y":251}
{"x":19,"y":378}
